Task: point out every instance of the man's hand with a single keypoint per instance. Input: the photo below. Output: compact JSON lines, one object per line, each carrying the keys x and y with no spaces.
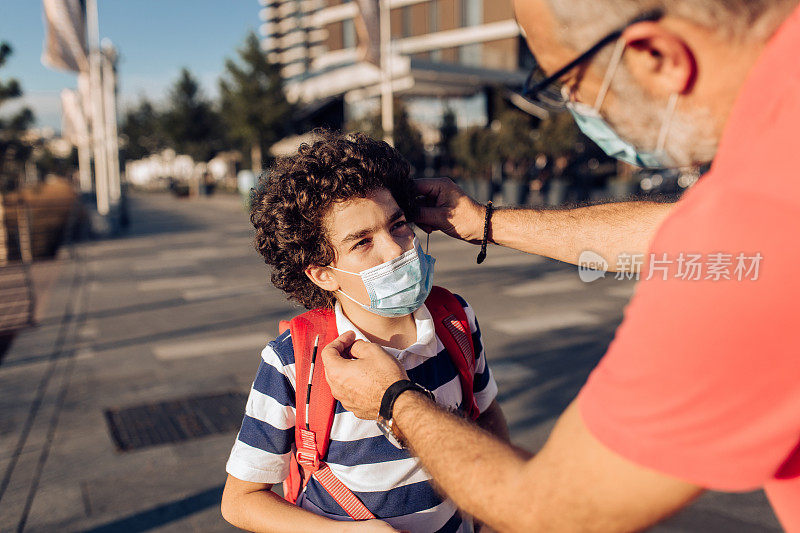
{"x":360,"y":380}
{"x":447,"y":208}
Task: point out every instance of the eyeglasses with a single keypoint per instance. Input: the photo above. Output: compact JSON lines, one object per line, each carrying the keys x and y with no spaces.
{"x":546,"y":91}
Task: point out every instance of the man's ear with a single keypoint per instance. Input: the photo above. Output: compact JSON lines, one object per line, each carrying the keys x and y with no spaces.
{"x":322,"y":277}
{"x":659,"y":59}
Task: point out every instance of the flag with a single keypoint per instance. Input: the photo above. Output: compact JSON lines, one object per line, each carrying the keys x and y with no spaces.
{"x":74,"y":127}
{"x":368,"y":28}
{"x":65,"y":36}
{"x":84,"y":97}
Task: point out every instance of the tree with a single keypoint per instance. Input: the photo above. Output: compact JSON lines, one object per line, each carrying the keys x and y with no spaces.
{"x":407,"y":138}
{"x":142,"y":129}
{"x":516,"y":143}
{"x":13,"y":150}
{"x":447,"y":131}
{"x":254,"y":106}
{"x":191,"y":125}
{"x":557,"y":135}
{"x":475,"y":149}
{"x":49,"y":163}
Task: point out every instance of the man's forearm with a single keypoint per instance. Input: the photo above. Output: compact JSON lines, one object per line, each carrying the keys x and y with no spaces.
{"x":470,"y":465}
{"x":607,"y":229}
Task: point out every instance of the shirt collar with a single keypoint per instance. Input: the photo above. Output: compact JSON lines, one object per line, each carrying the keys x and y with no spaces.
{"x":425,"y":345}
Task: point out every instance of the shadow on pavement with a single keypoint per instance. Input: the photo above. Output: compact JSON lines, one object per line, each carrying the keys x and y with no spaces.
{"x":559,"y":372}
{"x":163,"y":514}
{"x":152,"y":218}
{"x":264,"y":318}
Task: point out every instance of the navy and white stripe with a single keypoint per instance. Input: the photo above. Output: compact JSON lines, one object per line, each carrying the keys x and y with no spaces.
{"x":390,"y":482}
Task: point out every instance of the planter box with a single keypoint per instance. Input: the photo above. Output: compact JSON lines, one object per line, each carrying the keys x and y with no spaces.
{"x":43,"y":212}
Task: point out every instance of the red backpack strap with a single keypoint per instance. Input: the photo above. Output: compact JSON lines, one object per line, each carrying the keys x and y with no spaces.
{"x":452,"y":328}
{"x":312,"y":441}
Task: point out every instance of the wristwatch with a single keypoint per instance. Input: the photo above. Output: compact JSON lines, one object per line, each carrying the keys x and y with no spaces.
{"x":385,"y":415}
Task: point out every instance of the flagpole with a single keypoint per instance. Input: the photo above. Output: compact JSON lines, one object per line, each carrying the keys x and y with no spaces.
{"x":98,"y":121}
{"x":75,"y":129}
{"x":110,"y":100}
{"x":85,"y":141}
{"x":85,"y":162}
{"x":387,"y":111}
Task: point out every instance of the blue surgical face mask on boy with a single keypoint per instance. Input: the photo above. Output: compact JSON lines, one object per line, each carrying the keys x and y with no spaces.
{"x":594,"y":126}
{"x":397,"y":287}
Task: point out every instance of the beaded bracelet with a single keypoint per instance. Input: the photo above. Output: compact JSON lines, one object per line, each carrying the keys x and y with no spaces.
{"x":489,"y":210}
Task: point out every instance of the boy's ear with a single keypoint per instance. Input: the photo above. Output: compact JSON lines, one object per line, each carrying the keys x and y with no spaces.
{"x":322,"y":277}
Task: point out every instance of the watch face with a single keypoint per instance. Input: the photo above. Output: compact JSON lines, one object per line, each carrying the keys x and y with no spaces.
{"x":387,"y":432}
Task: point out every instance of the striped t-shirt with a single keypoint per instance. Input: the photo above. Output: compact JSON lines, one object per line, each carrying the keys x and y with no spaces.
{"x":391,"y":483}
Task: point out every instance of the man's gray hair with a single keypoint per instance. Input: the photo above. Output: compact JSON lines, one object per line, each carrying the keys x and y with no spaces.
{"x":586,"y":21}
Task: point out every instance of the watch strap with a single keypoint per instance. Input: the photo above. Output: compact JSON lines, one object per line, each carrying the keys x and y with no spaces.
{"x":394,"y":391}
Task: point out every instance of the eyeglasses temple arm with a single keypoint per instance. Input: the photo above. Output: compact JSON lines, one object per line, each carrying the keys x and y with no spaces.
{"x":650,"y":16}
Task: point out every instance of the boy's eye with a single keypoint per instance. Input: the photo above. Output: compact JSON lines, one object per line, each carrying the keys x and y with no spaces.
{"x":400,"y":224}
{"x":360,"y":243}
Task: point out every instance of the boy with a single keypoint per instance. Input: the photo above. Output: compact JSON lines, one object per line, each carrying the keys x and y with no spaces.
{"x":333,"y":223}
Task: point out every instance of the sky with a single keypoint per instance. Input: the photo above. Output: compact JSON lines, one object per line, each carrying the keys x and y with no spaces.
{"x":155,"y":39}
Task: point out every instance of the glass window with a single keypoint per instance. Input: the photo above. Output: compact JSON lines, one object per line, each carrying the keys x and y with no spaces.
{"x":348,"y":34}
{"x":433,"y":27}
{"x":407,"y":22}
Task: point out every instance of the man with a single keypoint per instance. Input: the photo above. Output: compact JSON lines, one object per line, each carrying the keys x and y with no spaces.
{"x":699,"y":389}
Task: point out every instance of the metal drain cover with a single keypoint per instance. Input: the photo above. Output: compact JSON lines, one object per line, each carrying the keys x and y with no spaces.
{"x":141,"y":426}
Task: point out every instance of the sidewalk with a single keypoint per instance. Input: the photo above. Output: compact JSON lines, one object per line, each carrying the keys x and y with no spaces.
{"x":173,"y":317}
{"x":156,"y":316}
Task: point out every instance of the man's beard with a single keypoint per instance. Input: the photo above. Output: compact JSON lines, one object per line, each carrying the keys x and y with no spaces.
{"x":690,"y":141}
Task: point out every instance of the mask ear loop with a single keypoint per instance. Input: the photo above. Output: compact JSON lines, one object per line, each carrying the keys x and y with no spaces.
{"x":427,"y":242}
{"x":343,"y":271}
{"x":662,"y":136}
{"x":616,"y":58}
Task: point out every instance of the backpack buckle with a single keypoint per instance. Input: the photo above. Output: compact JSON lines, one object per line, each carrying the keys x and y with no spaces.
{"x":307,"y":455}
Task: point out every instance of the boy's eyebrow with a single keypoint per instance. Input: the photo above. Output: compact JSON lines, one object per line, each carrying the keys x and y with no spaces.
{"x":360,"y":234}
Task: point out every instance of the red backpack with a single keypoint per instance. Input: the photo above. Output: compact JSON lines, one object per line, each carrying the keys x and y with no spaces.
{"x":452,"y":328}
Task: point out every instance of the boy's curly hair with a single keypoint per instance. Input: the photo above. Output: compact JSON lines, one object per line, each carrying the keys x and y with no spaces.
{"x":293,"y":197}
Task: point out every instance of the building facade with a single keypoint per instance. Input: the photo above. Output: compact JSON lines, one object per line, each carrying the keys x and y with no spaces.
{"x":441,"y":53}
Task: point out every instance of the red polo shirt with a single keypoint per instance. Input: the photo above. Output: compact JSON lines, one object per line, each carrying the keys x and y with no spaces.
{"x":702,"y":381}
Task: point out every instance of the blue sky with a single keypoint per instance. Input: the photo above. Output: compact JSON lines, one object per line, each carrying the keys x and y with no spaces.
{"x":155,"y":38}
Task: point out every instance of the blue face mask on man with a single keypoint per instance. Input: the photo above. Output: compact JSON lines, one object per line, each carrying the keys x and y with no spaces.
{"x":594,"y":126}
{"x":397,"y":287}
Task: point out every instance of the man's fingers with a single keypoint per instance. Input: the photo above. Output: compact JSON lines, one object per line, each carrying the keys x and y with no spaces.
{"x":336,"y":351}
{"x":368,"y":350}
{"x":431,"y":217}
{"x":426,"y":228}
{"x":361,"y":350}
{"x":430,"y":186}
{"x":436,"y":191}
